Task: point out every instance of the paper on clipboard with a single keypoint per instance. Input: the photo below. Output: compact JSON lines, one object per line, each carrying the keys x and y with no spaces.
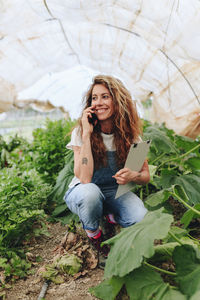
{"x":135,"y":160}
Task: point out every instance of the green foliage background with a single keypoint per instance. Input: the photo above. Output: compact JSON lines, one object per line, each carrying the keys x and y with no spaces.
{"x":27,"y":175}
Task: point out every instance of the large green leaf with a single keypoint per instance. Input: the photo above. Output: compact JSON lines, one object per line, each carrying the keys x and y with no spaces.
{"x":63,"y":180}
{"x":157,"y":198}
{"x":185,"y":143}
{"x":196,"y":296}
{"x":165,"y":251}
{"x":191,"y":185}
{"x":160,"y":141}
{"x":144,"y":284}
{"x":132,"y":244}
{"x":108,"y":289}
{"x":193,"y":163}
{"x":70,"y":217}
{"x":167,"y":178}
{"x":60,"y":209}
{"x":177,"y":231}
{"x":187,"y":261}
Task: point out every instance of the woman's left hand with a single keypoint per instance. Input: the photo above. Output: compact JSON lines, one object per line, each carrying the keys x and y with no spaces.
{"x":125,"y":175}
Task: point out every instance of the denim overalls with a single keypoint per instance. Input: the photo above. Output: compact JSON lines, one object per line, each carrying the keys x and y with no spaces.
{"x":91,"y":200}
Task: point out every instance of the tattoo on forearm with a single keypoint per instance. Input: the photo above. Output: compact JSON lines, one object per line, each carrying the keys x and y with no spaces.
{"x":84,"y":161}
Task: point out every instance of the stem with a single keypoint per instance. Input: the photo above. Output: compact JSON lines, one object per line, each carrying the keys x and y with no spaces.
{"x":141,"y":194}
{"x":157,"y":176}
{"x":173,"y":168}
{"x":174,"y":237}
{"x":186,"y":204}
{"x":183,"y":155}
{"x":192,"y":238}
{"x":147,"y":189}
{"x":160,"y":270}
{"x":157,"y":158}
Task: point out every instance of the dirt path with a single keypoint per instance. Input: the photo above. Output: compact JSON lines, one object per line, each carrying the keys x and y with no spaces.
{"x":46,"y":248}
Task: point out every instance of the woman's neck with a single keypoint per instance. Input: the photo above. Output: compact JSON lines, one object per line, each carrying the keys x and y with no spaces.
{"x":106,"y":127}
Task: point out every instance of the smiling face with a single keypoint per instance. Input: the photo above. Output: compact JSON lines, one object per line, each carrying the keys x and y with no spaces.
{"x":103,"y":102}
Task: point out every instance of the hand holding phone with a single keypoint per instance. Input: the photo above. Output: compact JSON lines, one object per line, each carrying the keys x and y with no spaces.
{"x":92,"y":119}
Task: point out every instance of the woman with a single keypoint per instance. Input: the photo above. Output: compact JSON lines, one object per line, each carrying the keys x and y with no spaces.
{"x":100,"y":149}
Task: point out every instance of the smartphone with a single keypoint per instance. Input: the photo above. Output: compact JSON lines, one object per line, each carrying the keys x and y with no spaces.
{"x":92,"y":119}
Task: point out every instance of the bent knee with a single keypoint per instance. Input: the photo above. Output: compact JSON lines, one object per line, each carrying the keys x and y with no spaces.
{"x":91,"y":192}
{"x":132,"y":218}
{"x":90,"y":196}
{"x":140,"y":214}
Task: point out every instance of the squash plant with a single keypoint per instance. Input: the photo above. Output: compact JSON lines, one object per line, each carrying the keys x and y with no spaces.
{"x":139,"y":252}
{"x":133,"y":262}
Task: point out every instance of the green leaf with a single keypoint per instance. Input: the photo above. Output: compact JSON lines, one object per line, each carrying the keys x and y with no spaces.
{"x":187,"y":261}
{"x":132,"y":244}
{"x":167,"y":178}
{"x":196,"y":296}
{"x":64,"y":178}
{"x":69,"y":263}
{"x":67,"y":219}
{"x":59,"y":209}
{"x":157,"y":198}
{"x":108,"y":289}
{"x":3,"y":262}
{"x":144,"y":283}
{"x":189,"y":215}
{"x":193,"y":163}
{"x":170,"y":294}
{"x":177,"y":231}
{"x":191,"y":184}
{"x":160,"y":141}
{"x":165,"y":251}
{"x":152,"y":171}
{"x":50,"y":273}
{"x":185,"y":143}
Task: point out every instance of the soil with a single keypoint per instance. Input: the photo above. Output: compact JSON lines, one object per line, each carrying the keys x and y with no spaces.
{"x":47,"y":248}
{"x":60,"y":242}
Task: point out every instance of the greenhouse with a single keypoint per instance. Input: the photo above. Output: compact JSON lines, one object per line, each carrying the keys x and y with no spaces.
{"x":135,"y":67}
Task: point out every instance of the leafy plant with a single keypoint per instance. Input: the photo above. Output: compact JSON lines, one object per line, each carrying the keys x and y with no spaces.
{"x":14,"y":265}
{"x":21,"y":209}
{"x":21,"y":203}
{"x":61,"y":211}
{"x":129,"y":263}
{"x":136,"y":259}
{"x":171,"y":162}
{"x":23,"y":193}
{"x":49,"y":147}
{"x":14,"y":152}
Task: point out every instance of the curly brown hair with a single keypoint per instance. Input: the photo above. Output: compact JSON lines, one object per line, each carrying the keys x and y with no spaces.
{"x":126,"y":123}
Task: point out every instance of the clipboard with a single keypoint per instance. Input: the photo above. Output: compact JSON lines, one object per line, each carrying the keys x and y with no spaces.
{"x":135,"y":160}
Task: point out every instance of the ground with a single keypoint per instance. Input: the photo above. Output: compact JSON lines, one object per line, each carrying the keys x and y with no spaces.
{"x":47,"y":248}
{"x":62,"y":241}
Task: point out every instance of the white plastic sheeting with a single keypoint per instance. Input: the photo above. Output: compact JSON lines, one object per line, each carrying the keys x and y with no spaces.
{"x":152,"y":45}
{"x":65,"y":89}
